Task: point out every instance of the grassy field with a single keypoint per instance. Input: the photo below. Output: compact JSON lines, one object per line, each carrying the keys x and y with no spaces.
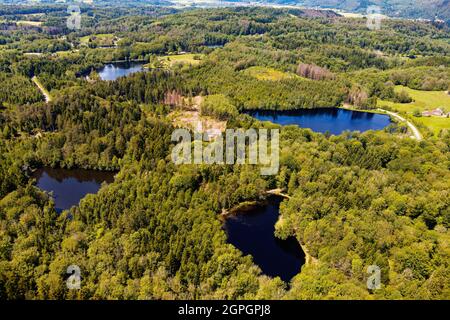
{"x":270,"y":74}
{"x":29,"y":23}
{"x":435,"y":124}
{"x":349,"y":14}
{"x":423,"y":100}
{"x":106,"y":38}
{"x":65,"y":53}
{"x":170,"y":61}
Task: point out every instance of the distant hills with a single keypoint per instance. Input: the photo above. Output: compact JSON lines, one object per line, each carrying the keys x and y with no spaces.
{"x":426,"y":9}
{"x":414,"y":9}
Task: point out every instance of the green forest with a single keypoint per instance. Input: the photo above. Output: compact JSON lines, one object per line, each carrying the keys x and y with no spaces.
{"x":355,"y":199}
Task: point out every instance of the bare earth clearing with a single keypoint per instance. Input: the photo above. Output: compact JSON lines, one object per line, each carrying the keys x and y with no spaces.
{"x":189,"y":117}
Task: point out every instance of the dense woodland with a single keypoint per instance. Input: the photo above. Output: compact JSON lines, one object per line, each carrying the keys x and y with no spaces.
{"x":154,"y":233}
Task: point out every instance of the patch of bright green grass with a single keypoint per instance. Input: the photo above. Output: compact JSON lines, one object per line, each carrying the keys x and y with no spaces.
{"x":100,"y":36}
{"x":188,"y":58}
{"x":265,"y":73}
{"x":170,"y":61}
{"x":435,"y":124}
{"x":29,"y":23}
{"x":65,"y":53}
{"x":423,"y":100}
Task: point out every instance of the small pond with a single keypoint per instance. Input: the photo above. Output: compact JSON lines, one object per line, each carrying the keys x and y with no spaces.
{"x":112,"y":71}
{"x":252,"y":232}
{"x":70,"y":186}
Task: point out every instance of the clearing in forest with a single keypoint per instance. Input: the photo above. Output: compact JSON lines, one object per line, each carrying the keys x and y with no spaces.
{"x":172,"y":60}
{"x":188,"y":116}
{"x":422,"y":101}
{"x":101,"y":39}
{"x":29,"y":23}
{"x":270,"y":74}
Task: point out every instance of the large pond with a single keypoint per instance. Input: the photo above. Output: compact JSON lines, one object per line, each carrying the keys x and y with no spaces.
{"x":70,"y":186}
{"x":252,"y":232}
{"x":333,"y":120}
{"x":112,"y":71}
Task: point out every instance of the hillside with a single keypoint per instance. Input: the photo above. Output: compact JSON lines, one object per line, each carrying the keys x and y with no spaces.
{"x":429,"y":9}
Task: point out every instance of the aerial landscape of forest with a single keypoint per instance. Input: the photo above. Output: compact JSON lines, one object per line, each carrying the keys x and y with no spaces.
{"x":355,"y":206}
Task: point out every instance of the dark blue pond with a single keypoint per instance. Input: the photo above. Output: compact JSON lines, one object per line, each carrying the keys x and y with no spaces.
{"x":333,"y":120}
{"x":252,"y":232}
{"x":70,"y":186}
{"x":112,"y":71}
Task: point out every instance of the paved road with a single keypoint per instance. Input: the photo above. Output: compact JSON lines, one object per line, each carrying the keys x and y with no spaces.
{"x":413,"y":128}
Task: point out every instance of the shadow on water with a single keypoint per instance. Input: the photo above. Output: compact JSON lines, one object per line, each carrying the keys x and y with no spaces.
{"x":252,"y":232}
{"x":70,"y":186}
{"x":333,"y":120}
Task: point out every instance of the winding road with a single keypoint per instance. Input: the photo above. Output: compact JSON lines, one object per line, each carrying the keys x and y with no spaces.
{"x":413,"y":128}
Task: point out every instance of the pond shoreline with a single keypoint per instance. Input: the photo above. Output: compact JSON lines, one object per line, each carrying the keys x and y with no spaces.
{"x":69,"y":186}
{"x":242,"y":207}
{"x":114,"y":70}
{"x":250,"y":227}
{"x":333,"y":120}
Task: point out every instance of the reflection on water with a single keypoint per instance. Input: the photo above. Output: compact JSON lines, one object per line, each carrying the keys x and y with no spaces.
{"x":252,"y":232}
{"x":333,"y":120}
{"x":70,"y":186}
{"x":112,"y":71}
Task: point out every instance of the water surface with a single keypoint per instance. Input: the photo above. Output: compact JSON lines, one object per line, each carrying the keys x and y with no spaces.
{"x":112,"y":71}
{"x":70,"y":186}
{"x":333,"y":120}
{"x":252,"y":232}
